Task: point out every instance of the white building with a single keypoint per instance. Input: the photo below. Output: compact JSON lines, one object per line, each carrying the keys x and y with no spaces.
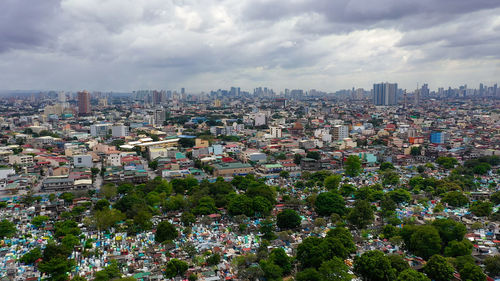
{"x":25,"y":160}
{"x":99,"y":130}
{"x":276,"y":132}
{"x":113,"y":159}
{"x":340,"y":132}
{"x":82,"y":161}
{"x":119,"y":131}
{"x":260,"y":119}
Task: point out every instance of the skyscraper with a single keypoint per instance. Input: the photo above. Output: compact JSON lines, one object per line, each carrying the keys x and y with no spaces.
{"x":385,"y":94}
{"x":84,"y":103}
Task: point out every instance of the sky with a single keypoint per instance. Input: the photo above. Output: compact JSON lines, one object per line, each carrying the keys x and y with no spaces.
{"x":125,"y":45}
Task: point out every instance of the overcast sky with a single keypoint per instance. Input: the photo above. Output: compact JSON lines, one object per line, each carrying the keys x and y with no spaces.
{"x":125,"y":45}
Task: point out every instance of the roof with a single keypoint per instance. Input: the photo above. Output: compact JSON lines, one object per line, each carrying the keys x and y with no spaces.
{"x":232,"y":165}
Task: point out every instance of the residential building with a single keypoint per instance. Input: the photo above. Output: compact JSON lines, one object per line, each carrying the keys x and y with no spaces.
{"x":119,"y":131}
{"x":385,"y":94}
{"x":340,"y":132}
{"x":84,"y":103}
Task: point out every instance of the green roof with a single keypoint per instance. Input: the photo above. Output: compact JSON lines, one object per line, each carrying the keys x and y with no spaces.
{"x":233,"y":165}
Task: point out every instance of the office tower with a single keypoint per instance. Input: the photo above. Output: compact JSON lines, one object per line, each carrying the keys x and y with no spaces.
{"x":235,"y":91}
{"x":424,"y":91}
{"x":84,"y":103}
{"x":417,"y":97}
{"x":385,"y":93}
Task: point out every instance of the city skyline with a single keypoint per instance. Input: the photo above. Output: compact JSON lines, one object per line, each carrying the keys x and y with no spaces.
{"x":73,"y":45}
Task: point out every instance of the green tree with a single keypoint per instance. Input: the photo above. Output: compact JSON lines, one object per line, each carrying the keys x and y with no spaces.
{"x":374,"y":266}
{"x":187,"y":218}
{"x":481,"y":208}
{"x":308,"y":274}
{"x":175,"y":268}
{"x":423,"y":241}
{"x":280,"y":258}
{"x":94,"y":171}
{"x":153,"y":165}
{"x":334,"y":270}
{"x":400,"y":195}
{"x":455,"y":199}
{"x":416,"y":150}
{"x":472,"y":272}
{"x":7,"y":229}
{"x":386,"y":166}
{"x":313,"y":155}
{"x":361,"y":215}
{"x":272,"y":272}
{"x":398,"y":262}
{"x":288,"y":219}
{"x":456,"y":248}
{"x":492,"y":265}
{"x":439,"y":269}
{"x":446,"y":162}
{"x":109,"y":190}
{"x":70,"y":241}
{"x":38,"y":221}
{"x":329,"y":202}
{"x":313,"y":250}
{"x":213,"y":259}
{"x":55,"y":262}
{"x":495,"y":197}
{"x":107,"y":218}
{"x":390,"y":177}
{"x":261,"y":206}
{"x":101,"y":204}
{"x":449,"y":230}
{"x":352,"y":166}
{"x":31,"y":256}
{"x":284,"y":174}
{"x":332,"y":182}
{"x":297,"y":158}
{"x":67,"y":197}
{"x":412,"y":275}
{"x":110,"y":272}
{"x":165,"y":231}
{"x":267,"y":229}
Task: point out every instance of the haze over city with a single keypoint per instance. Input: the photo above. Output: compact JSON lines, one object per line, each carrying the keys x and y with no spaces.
{"x":124,"y":45}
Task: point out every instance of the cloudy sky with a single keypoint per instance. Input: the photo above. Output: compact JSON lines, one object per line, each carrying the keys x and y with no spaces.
{"x":125,"y":45}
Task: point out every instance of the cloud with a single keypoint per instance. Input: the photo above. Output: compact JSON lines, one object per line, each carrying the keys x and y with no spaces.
{"x":26,"y":25}
{"x":207,"y":44}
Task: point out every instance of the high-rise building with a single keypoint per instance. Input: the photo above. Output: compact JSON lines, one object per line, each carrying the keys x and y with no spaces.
{"x":61,"y":97}
{"x":160,"y":115}
{"x":385,"y":94}
{"x":276,"y":132}
{"x":157,"y":99}
{"x":340,"y":132}
{"x":438,"y":137}
{"x":84,"y":103}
